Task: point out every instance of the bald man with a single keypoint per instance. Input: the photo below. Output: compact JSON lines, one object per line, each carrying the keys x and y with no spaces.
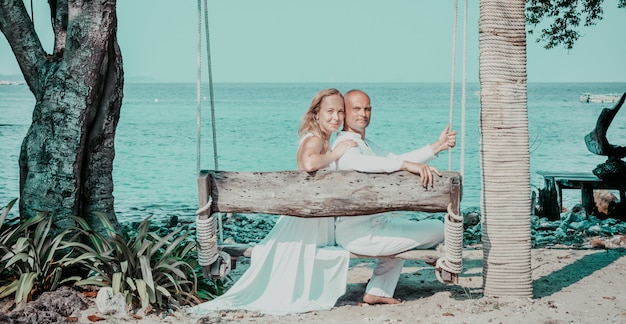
{"x":381,"y":234}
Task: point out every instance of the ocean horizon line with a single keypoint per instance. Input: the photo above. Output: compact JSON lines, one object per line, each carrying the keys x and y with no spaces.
{"x":359,"y":82}
{"x":149,"y":80}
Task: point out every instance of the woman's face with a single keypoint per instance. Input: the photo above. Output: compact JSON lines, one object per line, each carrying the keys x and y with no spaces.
{"x":331,"y":114}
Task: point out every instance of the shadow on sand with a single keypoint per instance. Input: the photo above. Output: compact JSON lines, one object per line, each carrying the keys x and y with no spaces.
{"x":574,"y":272}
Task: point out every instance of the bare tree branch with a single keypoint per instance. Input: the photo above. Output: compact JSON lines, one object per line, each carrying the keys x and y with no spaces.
{"x":19,"y":31}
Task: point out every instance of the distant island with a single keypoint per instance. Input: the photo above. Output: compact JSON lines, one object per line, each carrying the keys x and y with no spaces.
{"x":11,"y":79}
{"x":5,"y":82}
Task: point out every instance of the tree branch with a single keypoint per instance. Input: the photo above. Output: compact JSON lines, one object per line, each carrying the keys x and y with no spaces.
{"x":19,"y":31}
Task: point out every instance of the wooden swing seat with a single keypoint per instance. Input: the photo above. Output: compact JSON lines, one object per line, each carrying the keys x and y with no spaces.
{"x":326,"y":194}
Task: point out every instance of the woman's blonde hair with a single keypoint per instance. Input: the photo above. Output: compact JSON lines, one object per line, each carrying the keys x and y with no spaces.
{"x":309,"y":121}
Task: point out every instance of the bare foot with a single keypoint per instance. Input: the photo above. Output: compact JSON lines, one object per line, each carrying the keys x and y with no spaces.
{"x":373,"y":299}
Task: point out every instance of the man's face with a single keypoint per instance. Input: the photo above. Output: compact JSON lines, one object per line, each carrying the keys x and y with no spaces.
{"x":358,"y":112}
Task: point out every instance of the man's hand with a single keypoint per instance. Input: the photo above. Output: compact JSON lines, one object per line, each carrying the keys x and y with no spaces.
{"x":447,"y":140}
{"x":425,"y":171}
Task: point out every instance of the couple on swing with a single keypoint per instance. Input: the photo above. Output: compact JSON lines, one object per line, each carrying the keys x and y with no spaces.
{"x":302,"y":264}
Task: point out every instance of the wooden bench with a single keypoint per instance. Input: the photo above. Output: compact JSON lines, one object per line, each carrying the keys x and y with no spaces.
{"x":554,"y":182}
{"x":325,"y":194}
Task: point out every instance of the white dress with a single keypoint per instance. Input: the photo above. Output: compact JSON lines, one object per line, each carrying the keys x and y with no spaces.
{"x":296,"y":268}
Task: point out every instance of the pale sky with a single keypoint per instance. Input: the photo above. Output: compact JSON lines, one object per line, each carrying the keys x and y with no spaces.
{"x":331,"y":41}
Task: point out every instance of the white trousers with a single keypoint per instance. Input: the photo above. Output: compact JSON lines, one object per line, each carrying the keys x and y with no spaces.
{"x":380,"y":235}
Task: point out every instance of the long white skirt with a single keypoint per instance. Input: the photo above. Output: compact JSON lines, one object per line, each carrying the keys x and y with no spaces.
{"x":296,"y":268}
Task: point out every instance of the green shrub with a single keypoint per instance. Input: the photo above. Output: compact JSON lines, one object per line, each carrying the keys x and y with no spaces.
{"x":145,"y":267}
{"x":33,"y":259}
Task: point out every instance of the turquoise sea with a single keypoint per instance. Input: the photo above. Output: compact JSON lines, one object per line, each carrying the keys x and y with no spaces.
{"x":256,"y":129}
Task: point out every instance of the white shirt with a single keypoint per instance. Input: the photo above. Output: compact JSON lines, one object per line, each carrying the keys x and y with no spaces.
{"x":368,"y":157}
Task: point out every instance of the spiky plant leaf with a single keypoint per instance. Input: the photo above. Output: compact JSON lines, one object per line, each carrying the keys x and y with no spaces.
{"x":146,"y":271}
{"x":116,"y":282}
{"x":25,"y":285}
{"x":5,"y":210}
{"x":9,"y":289}
{"x":142,"y":290}
{"x":97,"y":280}
{"x":131,"y":284}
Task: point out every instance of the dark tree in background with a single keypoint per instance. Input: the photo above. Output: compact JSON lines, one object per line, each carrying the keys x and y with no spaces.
{"x":564,"y":18}
{"x":66,"y":159}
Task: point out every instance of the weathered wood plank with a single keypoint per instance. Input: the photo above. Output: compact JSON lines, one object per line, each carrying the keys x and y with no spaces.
{"x":328,"y":193}
{"x":203,"y":192}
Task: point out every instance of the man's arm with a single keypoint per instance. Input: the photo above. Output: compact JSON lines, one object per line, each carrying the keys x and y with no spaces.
{"x":446,"y":140}
{"x":353,"y":159}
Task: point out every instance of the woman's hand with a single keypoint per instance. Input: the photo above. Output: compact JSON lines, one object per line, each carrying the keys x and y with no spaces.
{"x":343,"y":146}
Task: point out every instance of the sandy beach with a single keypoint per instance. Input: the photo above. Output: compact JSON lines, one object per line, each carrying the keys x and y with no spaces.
{"x":569,"y":286}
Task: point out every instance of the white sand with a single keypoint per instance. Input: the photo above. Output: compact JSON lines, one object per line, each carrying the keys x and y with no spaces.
{"x":569,"y":286}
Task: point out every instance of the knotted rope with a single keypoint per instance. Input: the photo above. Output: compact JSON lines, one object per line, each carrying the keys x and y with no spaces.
{"x":208,"y":253}
{"x":452,"y":262}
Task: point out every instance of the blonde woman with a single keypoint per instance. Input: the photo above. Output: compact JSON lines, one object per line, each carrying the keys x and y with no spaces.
{"x":297,"y":267}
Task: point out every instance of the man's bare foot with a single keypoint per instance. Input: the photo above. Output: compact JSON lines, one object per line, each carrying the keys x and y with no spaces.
{"x":373,"y":299}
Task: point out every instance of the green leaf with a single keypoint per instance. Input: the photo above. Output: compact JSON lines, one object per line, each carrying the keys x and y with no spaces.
{"x":9,"y":289}
{"x":131,"y":283}
{"x":143,"y":293}
{"x":97,"y":280}
{"x":169,"y":251}
{"x":124,"y":266}
{"x":163,"y":240}
{"x":6,"y":210}
{"x":173,"y":282}
{"x":146,"y":271}
{"x":174,"y":269}
{"x":104,"y":220}
{"x":142,"y":230}
{"x":116,"y":282}
{"x":70,"y":279}
{"x":56,"y":278}
{"x":26,"y":283}
{"x":145,"y":246}
{"x":23,"y":257}
{"x":163,"y":291}
{"x":41,"y":233}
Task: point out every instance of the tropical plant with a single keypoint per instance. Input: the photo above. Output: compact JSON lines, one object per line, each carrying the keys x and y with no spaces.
{"x":146,"y":268}
{"x":33,"y":259}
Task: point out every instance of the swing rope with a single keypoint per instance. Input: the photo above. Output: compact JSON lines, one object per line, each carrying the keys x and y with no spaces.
{"x":198,"y":90}
{"x":463,"y":83}
{"x":206,"y":228}
{"x":452,"y":261}
{"x":463,"y":90}
{"x":210,"y":70}
{"x":453,"y":72}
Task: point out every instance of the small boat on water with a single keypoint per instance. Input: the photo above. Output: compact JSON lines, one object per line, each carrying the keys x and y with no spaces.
{"x":599,"y":98}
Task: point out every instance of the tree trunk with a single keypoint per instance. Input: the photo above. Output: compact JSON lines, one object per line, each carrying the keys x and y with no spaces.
{"x":504,"y":153}
{"x":66,"y":160}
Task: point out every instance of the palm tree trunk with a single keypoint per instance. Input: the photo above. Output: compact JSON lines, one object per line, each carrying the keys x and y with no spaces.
{"x":504,"y":153}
